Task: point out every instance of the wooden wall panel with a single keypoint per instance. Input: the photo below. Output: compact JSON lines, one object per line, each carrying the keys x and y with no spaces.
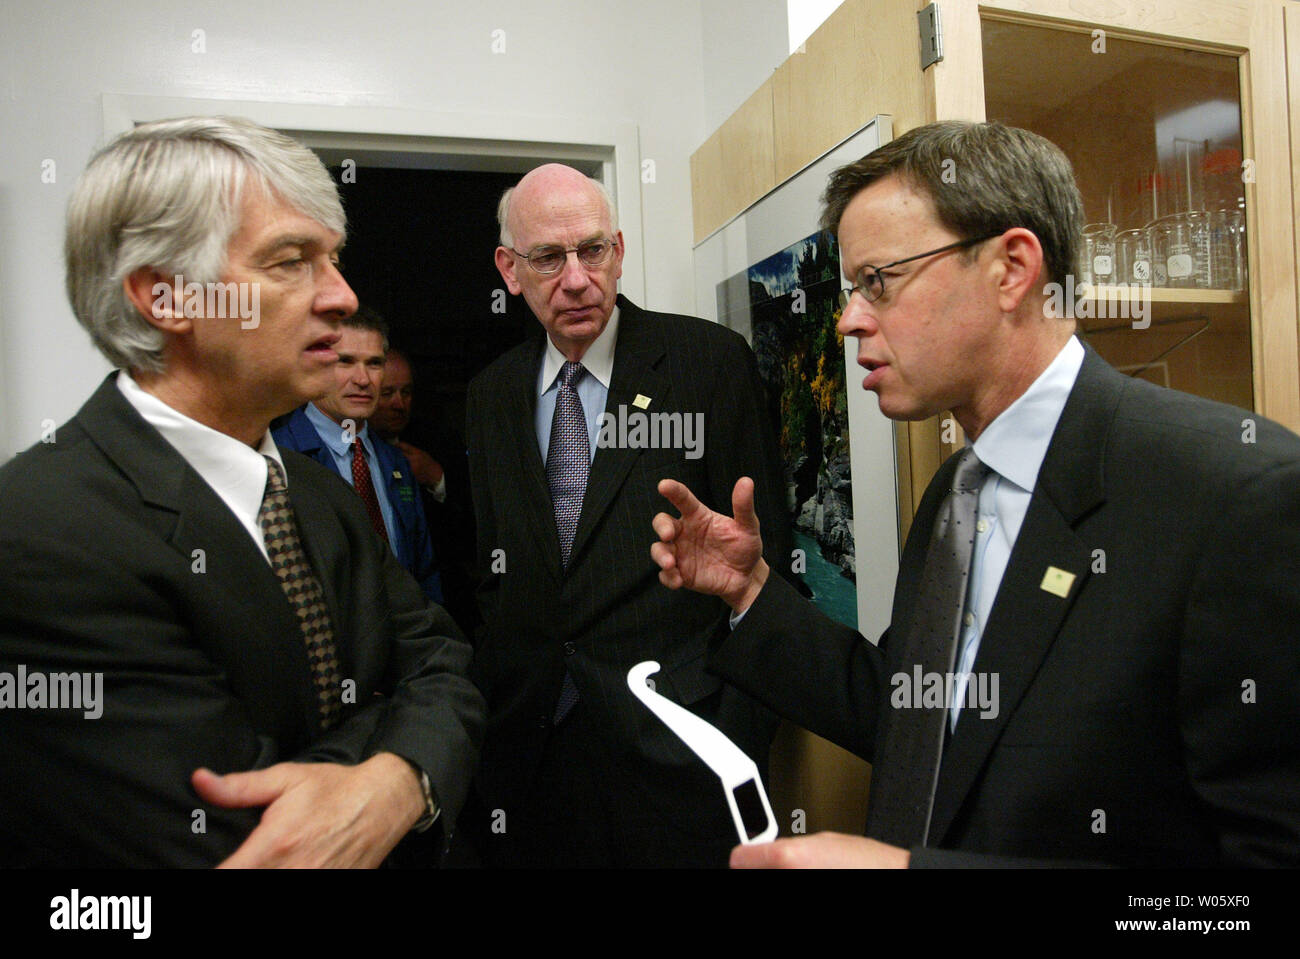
{"x":708,"y":207}
{"x":1292,"y":15}
{"x":950,"y":94}
{"x":1270,"y":204}
{"x":864,"y":60}
{"x":734,"y":168}
{"x":747,"y":169}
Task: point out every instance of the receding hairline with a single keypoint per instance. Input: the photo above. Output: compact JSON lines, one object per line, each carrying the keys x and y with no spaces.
{"x":596,"y":188}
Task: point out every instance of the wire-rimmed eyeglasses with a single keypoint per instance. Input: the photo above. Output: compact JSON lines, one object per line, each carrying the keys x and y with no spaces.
{"x":550,"y":259}
{"x":872,"y":285}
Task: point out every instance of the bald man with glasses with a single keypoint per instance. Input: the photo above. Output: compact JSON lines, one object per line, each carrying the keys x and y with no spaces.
{"x":575,"y":771}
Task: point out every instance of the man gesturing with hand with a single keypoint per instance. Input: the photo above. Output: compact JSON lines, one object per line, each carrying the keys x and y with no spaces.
{"x":1092,"y":650}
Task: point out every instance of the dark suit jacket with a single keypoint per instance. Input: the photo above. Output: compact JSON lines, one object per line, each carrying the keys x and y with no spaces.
{"x":411,"y":542}
{"x":608,"y":610}
{"x":1146,"y":718}
{"x":202,"y":658}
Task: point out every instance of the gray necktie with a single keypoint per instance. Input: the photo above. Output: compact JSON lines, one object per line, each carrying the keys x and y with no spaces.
{"x":568,"y":462}
{"x":906,"y":767}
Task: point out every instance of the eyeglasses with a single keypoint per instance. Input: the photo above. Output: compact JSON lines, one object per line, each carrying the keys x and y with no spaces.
{"x":872,"y":285}
{"x":550,"y":259}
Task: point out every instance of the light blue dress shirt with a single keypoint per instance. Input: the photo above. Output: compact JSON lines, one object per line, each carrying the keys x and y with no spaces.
{"x":336,"y":441}
{"x":1013,"y":447}
{"x":593,"y":389}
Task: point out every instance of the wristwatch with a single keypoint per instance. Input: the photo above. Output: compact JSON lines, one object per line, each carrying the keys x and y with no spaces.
{"x":431,"y":809}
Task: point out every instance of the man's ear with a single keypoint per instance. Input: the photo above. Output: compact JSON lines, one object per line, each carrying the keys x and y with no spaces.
{"x":1020,"y":257}
{"x":618,"y":254}
{"x":157,"y":300}
{"x":506,"y":267}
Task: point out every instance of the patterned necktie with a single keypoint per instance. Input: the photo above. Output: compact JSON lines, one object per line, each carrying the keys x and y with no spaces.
{"x":568,"y":463}
{"x":568,"y":458}
{"x":303,"y":590}
{"x":366,"y":488}
{"x":906,"y":767}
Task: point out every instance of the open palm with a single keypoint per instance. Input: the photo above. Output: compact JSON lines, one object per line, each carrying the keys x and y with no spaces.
{"x":706,"y":551}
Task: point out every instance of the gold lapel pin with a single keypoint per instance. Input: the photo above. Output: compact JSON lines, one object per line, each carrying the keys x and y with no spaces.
{"x":397,"y":474}
{"x":641,"y":402}
{"x":1057,"y":582}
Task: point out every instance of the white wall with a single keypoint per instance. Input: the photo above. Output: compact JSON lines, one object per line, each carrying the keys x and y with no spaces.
{"x":608,"y":59}
{"x":745,"y":41}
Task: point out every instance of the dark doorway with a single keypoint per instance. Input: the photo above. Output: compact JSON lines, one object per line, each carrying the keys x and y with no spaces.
{"x":420,"y":251}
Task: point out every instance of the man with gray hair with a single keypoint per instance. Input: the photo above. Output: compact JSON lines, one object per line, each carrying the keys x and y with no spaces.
{"x":276,"y":689}
{"x":568,"y":435}
{"x":1115,"y":562}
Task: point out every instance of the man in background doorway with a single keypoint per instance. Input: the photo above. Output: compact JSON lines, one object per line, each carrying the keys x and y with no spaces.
{"x":334,"y":430}
{"x":445,"y":491}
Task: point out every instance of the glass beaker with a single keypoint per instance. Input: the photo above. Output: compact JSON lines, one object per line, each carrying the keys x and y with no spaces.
{"x":1158,"y":233}
{"x":1200,"y":236}
{"x":1180,"y":260}
{"x":1097,"y":263}
{"x":1133,"y":257}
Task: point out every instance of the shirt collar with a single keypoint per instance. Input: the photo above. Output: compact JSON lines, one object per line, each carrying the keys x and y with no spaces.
{"x":1016,"y":442}
{"x":234,"y":470}
{"x":598,"y":360}
{"x":333,"y":435}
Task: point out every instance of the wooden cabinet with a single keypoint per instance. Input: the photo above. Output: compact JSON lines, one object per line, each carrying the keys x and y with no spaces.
{"x":1164,"y":106}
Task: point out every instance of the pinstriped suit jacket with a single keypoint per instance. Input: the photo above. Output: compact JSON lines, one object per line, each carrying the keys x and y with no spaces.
{"x":608,"y":611}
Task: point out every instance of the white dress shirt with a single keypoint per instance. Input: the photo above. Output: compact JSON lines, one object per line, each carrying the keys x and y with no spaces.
{"x":1013,"y":447}
{"x":235,"y":471}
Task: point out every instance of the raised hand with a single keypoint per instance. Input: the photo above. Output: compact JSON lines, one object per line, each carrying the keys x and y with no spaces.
{"x":426,"y":470}
{"x":707,"y":551}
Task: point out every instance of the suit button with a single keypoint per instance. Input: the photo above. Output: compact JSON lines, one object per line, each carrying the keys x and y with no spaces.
{"x":569,"y":649}
{"x":543,"y":720}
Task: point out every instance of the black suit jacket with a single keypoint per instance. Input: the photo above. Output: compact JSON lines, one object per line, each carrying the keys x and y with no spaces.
{"x":608,"y":610}
{"x":1145,"y":718}
{"x":118,"y":558}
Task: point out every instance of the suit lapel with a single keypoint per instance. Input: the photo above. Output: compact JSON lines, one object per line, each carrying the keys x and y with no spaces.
{"x":636,"y":356}
{"x":191,"y":517}
{"x":517,"y":422}
{"x":1026,"y":618}
{"x":393,"y":471}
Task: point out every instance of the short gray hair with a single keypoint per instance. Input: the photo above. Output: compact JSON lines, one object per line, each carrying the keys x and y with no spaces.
{"x":982,"y":178}
{"x":168,"y":195}
{"x":503,"y":212}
